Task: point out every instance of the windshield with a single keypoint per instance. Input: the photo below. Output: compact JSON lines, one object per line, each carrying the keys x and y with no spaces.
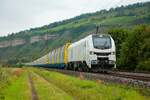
{"x":103,"y":42}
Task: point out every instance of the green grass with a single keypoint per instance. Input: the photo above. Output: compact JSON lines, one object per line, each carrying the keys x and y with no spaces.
{"x":119,"y":20}
{"x":56,"y":86}
{"x":97,"y":20}
{"x":48,"y":91}
{"x":19,"y":88}
{"x":4,"y":81}
{"x":3,"y":77}
{"x":111,"y":20}
{"x":90,"y":90}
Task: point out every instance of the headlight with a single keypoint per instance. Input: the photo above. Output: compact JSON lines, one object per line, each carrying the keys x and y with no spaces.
{"x":112,"y":53}
{"x":91,"y":52}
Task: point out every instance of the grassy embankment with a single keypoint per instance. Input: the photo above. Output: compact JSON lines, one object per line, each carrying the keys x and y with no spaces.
{"x":89,"y":90}
{"x":48,"y":91}
{"x":55,"y":86}
{"x":17,"y":87}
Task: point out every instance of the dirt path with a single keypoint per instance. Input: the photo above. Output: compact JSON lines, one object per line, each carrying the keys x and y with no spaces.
{"x":47,"y":90}
{"x":33,"y":91}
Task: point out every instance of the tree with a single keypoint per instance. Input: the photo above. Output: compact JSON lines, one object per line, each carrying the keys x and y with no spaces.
{"x":119,"y":35}
{"x":135,"y":51}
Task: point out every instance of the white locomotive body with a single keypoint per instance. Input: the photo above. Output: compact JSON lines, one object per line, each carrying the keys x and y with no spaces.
{"x":96,"y":52}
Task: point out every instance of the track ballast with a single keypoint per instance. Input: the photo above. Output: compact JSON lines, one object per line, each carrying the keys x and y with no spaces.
{"x":129,"y":78}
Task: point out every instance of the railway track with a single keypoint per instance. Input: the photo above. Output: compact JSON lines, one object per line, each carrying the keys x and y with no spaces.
{"x":133,"y":79}
{"x":131,"y":75}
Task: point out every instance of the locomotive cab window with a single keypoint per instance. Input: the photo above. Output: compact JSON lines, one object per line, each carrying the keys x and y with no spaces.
{"x":101,"y":42}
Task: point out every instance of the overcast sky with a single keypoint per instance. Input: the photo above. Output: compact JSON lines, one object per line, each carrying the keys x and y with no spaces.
{"x":17,"y":15}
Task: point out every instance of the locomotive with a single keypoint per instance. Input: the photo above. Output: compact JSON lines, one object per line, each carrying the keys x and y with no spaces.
{"x":95,"y":52}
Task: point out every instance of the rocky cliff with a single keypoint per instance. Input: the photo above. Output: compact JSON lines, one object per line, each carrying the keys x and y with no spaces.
{"x":20,"y":41}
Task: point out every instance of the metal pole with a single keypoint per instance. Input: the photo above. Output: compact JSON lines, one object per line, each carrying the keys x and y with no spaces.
{"x":97,"y":29}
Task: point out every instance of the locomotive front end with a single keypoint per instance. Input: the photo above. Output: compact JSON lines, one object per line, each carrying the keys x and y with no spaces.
{"x":102,"y":54}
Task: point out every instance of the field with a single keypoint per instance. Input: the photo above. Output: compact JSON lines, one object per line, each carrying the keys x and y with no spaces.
{"x":39,"y":84}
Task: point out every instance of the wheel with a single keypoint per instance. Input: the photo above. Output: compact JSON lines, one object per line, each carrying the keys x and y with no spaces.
{"x":85,"y":67}
{"x":75,"y":66}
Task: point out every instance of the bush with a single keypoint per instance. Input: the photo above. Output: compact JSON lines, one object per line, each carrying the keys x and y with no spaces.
{"x":119,"y":35}
{"x":135,"y":51}
{"x":144,"y":65}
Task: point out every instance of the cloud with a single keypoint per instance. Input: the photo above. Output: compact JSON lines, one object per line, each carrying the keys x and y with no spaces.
{"x":17,"y":15}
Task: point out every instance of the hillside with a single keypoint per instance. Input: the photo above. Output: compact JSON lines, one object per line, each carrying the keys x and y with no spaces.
{"x":28,"y":45}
